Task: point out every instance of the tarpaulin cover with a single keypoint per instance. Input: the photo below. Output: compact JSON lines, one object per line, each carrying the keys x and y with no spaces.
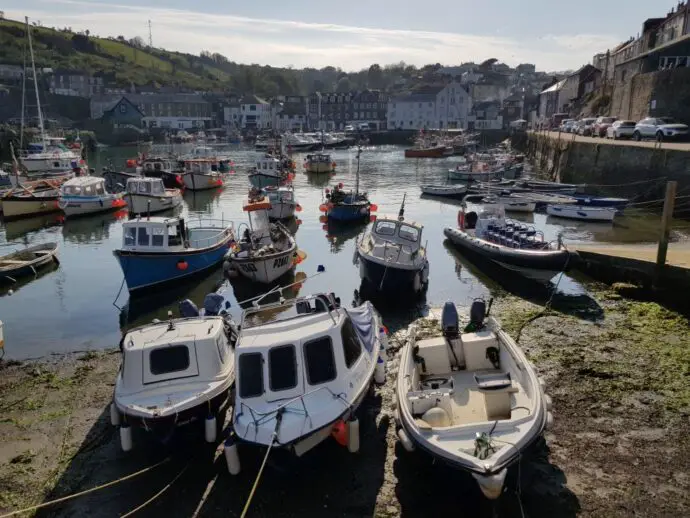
{"x":363,"y":320}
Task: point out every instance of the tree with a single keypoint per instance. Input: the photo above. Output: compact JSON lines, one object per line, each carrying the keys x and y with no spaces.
{"x":375,"y":76}
{"x":343,"y":86}
{"x":137,"y":42}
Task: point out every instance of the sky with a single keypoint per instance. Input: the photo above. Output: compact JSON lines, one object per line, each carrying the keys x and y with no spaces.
{"x":555,"y":35}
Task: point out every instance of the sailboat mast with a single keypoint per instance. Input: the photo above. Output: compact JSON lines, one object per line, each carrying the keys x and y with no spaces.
{"x":38,"y":99}
{"x":21,"y":130}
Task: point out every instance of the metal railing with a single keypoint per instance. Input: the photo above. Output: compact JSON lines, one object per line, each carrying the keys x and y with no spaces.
{"x":213,"y":223}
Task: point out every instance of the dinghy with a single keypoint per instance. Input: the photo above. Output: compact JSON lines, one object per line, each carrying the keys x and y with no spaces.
{"x":173,"y":374}
{"x":87,"y":195}
{"x":470,"y":399}
{"x":27,"y":261}
{"x":445,"y":191}
{"x":149,"y":195}
{"x":581,"y":212}
{"x":266,"y":250}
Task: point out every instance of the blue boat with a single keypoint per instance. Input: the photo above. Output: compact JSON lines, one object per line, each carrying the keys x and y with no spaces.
{"x":348,"y":206}
{"x":160,"y":250}
{"x":595,"y":201}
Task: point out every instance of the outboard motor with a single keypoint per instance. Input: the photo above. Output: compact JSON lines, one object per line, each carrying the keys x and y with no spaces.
{"x":478,"y":313}
{"x":450,"y":322}
{"x":188,"y":309}
{"x":213,"y":304}
{"x":471,"y":220}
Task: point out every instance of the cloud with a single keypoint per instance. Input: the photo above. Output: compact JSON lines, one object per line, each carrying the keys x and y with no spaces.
{"x":282,"y":42}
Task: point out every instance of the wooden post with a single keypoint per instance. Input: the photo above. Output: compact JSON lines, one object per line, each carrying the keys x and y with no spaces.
{"x":666,"y":218}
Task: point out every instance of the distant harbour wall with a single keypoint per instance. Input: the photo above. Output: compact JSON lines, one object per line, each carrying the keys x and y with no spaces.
{"x":406,"y":137}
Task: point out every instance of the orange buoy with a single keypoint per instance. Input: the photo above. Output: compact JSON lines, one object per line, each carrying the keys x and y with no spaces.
{"x":323,"y":207}
{"x":182,"y":265}
{"x":339,"y":432}
{"x":373,"y":207}
{"x":461,"y":219}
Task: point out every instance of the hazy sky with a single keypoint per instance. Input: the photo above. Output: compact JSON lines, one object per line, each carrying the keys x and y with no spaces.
{"x":352,"y":34}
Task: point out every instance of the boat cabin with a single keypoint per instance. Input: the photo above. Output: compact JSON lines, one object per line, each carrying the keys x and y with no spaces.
{"x":159,"y":165}
{"x":259,"y":231}
{"x":84,"y":186}
{"x":392,"y":229}
{"x":319,"y":158}
{"x":159,"y":234}
{"x":146,"y":186}
{"x":200,"y":166}
{"x":279,"y":194}
{"x":268,"y":164}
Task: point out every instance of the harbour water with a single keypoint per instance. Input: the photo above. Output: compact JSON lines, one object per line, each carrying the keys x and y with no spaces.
{"x":82,"y":304}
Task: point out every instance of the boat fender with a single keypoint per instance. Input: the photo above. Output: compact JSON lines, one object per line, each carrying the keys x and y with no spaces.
{"x":405,"y":440}
{"x":549,"y":420}
{"x":232,"y":457}
{"x":353,"y":435}
{"x":210,"y":429}
{"x":380,"y":372}
{"x":461,"y":219}
{"x":549,"y":401}
{"x":114,"y":414}
{"x":126,"y":437}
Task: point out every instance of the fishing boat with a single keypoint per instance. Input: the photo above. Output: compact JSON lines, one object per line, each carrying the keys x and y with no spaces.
{"x":445,"y":191}
{"x":596,"y":201}
{"x":23,"y":202}
{"x":268,"y":172}
{"x":512,"y":245}
{"x":548,"y":187}
{"x":149,"y":195}
{"x":542,"y":199}
{"x":303,"y":368}
{"x":158,"y":250}
{"x":199,"y":175}
{"x":87,"y":195}
{"x":27,"y":261}
{"x":283,"y":202}
{"x":344,"y":205}
{"x":165,"y":168}
{"x":319,"y":163}
{"x":511,"y":203}
{"x":391,"y":257}
{"x":600,"y":214}
{"x":467,"y":174}
{"x":470,"y":398}
{"x":266,"y":250}
{"x":179,"y":373}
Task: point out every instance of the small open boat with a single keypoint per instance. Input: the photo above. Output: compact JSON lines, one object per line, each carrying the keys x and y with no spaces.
{"x":444,"y":191}
{"x":581,"y":212}
{"x":23,"y":202}
{"x":345,"y":205}
{"x":470,"y":399}
{"x":27,"y":261}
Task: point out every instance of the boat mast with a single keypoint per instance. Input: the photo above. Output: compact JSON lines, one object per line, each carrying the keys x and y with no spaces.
{"x":38,"y":99}
{"x":359,"y":152}
{"x":21,"y":130}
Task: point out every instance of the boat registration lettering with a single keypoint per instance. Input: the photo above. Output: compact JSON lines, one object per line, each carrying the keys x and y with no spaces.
{"x":281,"y":261}
{"x":248,"y":267}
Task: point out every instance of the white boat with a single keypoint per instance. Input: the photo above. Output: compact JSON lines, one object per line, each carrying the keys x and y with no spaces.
{"x":199,"y":175}
{"x":283,"y":203}
{"x":266,"y":250}
{"x":512,"y":204}
{"x":582,"y":213}
{"x":149,"y":195}
{"x":303,"y":368}
{"x":87,"y":195}
{"x":445,"y":191}
{"x":471,"y":399}
{"x":23,"y":202}
{"x":319,"y":163}
{"x":173,"y":374}
{"x":466,"y":174}
{"x":268,"y":172}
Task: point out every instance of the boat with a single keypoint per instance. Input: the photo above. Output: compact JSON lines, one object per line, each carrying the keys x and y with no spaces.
{"x":542,"y":199}
{"x":319,"y":163}
{"x":23,"y":202}
{"x":601,"y":214}
{"x":512,"y":203}
{"x":303,"y":368}
{"x":282,"y":200}
{"x":344,"y":205}
{"x":391,"y":257}
{"x":596,"y":201}
{"x":266,"y":250}
{"x":548,"y":187}
{"x":149,"y":195}
{"x":467,"y":174}
{"x":157,"y":250}
{"x":470,"y":398}
{"x":87,"y":195}
{"x":445,"y":191}
{"x":437,"y":151}
{"x":179,"y":373}
{"x":268,"y":172}
{"x":200,"y":176}
{"x":512,"y":245}
{"x":27,"y":261}
{"x":165,"y":168}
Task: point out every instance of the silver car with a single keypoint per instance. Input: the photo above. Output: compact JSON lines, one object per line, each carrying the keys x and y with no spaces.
{"x":621,"y":129}
{"x":660,"y":128}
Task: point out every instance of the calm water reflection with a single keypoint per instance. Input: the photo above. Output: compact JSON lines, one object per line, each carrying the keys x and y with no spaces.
{"x":71,"y":307}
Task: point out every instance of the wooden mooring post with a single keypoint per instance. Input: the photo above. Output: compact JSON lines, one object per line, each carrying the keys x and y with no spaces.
{"x":666,"y":219}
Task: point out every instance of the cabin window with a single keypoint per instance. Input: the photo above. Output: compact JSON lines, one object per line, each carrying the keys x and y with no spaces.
{"x":169,"y":359}
{"x":409,"y":233}
{"x":222,"y":346}
{"x":145,"y":187}
{"x":157,"y":167}
{"x":385,"y":228}
{"x":157,"y":236}
{"x":100,"y":189}
{"x":130,"y":233}
{"x":173,"y":237}
{"x":352,"y":347}
{"x":142,"y":236}
{"x":251,"y":375}
{"x":56,"y":165}
{"x":282,"y":368}
{"x":265,"y":165}
{"x":320,"y":362}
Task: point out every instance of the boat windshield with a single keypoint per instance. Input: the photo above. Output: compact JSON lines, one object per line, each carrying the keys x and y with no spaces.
{"x":409,"y":233}
{"x":385,"y":228}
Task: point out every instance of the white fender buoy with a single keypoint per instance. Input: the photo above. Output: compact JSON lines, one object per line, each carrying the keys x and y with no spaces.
{"x":232,"y":457}
{"x":380,"y":372}
{"x":405,"y":440}
{"x":210,"y":429}
{"x":549,"y":420}
{"x":114,"y":414}
{"x":549,"y":402}
{"x":382,"y":353}
{"x":542,"y":383}
{"x":126,"y":437}
{"x":394,"y":406}
{"x":353,"y":435}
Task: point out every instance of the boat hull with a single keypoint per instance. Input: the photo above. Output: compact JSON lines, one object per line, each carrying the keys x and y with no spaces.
{"x":579,"y":212}
{"x":201,"y":182}
{"x":385,"y":278}
{"x":349,"y":212}
{"x":264,"y":269}
{"x":473,"y":176}
{"x":444,"y":191}
{"x":47,"y":254}
{"x":436,"y":152}
{"x":260,"y":180}
{"x":19,"y":207}
{"x":318,"y":168}
{"x":81,"y":206}
{"x":142,"y":204}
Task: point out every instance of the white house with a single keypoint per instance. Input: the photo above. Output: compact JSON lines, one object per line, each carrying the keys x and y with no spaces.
{"x":440,"y":107}
{"x":255,"y":113}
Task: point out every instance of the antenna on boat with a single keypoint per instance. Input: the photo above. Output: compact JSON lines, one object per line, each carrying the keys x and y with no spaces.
{"x":401,"y":214}
{"x":359,"y":152}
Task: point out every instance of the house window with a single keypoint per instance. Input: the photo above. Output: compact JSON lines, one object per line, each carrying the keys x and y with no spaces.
{"x":123,"y":108}
{"x":320,"y":362}
{"x":282,"y":368}
{"x":252,"y":108}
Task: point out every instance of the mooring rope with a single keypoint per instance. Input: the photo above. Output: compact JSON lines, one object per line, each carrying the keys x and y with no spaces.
{"x":165,"y":488}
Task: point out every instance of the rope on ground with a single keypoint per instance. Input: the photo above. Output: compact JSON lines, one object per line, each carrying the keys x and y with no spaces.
{"x":165,"y":488}
{"x":85,"y":492}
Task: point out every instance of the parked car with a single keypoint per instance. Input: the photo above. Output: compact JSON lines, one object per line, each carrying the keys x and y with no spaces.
{"x":584,"y":128}
{"x":566,"y":125}
{"x":621,"y":129}
{"x":601,"y":125}
{"x":660,"y":128}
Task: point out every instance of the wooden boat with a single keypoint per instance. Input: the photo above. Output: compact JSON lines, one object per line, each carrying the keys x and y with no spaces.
{"x":149,"y":195}
{"x":466,"y":174}
{"x":27,"y":261}
{"x":87,"y":195}
{"x":319,"y":163}
{"x":438,"y":151}
{"x":580,"y":212}
{"x":199,"y":175}
{"x":470,"y":399}
{"x":445,"y":191}
{"x":22,"y":202}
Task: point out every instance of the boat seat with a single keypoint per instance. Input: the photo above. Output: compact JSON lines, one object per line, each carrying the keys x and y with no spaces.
{"x":496,"y":389}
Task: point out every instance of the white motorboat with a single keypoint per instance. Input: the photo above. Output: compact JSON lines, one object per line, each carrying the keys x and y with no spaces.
{"x":303,"y":368}
{"x":201,"y":174}
{"x":445,"y":191}
{"x":466,"y":174}
{"x":470,"y":399}
{"x":149,"y":195}
{"x":266,"y":250}
{"x":87,"y":195}
{"x":268,"y":172}
{"x":512,"y":204}
{"x":601,"y":214}
{"x":283,"y":203}
{"x":319,"y":163}
{"x":173,"y":374}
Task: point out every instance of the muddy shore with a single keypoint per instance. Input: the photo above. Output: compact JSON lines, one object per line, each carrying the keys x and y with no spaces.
{"x":619,"y":446}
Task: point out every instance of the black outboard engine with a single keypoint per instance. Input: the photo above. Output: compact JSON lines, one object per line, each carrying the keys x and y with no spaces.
{"x":213,"y":304}
{"x":450,"y":322}
{"x":188,"y":309}
{"x":478,"y":313}
{"x":471,"y":220}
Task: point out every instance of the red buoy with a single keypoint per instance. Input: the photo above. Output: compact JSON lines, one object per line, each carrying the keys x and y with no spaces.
{"x":182,"y":265}
{"x":339,"y":432}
